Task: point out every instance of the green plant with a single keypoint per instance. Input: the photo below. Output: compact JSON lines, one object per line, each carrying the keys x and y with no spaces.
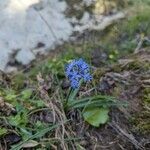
{"x":95,"y":109}
{"x":3,"y":131}
{"x":30,"y":138}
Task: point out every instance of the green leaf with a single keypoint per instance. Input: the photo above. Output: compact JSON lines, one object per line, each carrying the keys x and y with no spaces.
{"x":75,"y":91}
{"x":21,"y":119}
{"x":35,"y":136}
{"x":37,"y":103}
{"x":26,"y":94}
{"x":3,"y":131}
{"x":79,"y":147}
{"x":96,"y":101}
{"x":96,"y":116}
{"x":11,"y":96}
{"x":24,"y":133}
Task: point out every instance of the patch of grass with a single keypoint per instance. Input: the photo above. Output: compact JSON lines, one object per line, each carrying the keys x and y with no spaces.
{"x":34,"y":113}
{"x":139,"y":2}
{"x":124,"y":36}
{"x":138,"y":24}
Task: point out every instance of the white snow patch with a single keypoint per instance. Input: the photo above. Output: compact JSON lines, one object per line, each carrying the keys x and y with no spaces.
{"x":26,"y":23}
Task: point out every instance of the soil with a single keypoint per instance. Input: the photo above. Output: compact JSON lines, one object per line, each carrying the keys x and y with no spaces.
{"x":126,"y":78}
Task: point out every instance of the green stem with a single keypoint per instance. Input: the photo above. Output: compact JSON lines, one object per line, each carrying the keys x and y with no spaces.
{"x":72,"y":94}
{"x":67,"y":99}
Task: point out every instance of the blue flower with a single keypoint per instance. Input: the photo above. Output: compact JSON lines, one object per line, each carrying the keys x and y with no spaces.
{"x":77,"y":70}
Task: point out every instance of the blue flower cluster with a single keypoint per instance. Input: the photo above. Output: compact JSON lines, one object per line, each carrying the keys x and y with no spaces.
{"x":77,"y":70}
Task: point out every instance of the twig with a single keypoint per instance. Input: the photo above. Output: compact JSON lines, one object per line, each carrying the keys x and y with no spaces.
{"x":130,"y":137}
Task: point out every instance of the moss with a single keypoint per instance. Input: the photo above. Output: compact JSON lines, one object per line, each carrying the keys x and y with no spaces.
{"x":142,"y":122}
{"x":142,"y":119}
{"x":18,"y":81}
{"x":99,"y":72}
{"x":137,"y":64}
{"x":147,"y":95}
{"x":116,"y":68}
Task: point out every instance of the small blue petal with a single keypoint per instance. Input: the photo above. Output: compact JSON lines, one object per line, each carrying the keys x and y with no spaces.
{"x":77,"y":70}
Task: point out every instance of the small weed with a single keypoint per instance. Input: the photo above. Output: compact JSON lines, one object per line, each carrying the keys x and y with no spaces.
{"x":94,"y":109}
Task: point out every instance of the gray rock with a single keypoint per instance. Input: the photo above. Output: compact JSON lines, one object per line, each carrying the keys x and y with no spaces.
{"x":25,"y":23}
{"x":31,"y":27}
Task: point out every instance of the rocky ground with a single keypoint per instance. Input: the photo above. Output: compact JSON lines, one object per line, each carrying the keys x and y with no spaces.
{"x":26,"y":107}
{"x":32,"y":115}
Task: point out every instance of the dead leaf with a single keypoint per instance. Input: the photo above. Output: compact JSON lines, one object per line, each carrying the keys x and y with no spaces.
{"x":30,"y":144}
{"x":5,"y":107}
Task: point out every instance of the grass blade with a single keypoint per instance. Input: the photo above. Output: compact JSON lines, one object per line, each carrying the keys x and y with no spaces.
{"x":36,"y":135}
